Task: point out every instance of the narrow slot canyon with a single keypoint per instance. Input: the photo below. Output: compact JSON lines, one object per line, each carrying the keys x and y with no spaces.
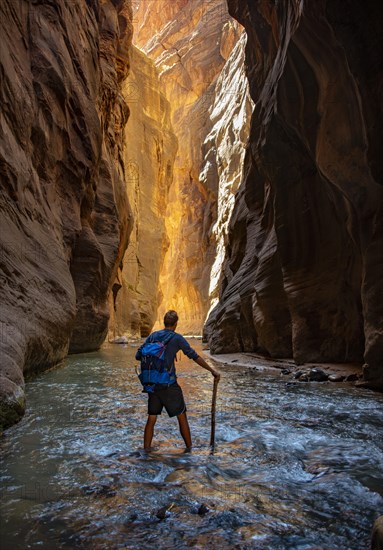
{"x":212,"y":166}
{"x":219,"y":158}
{"x":190,"y":107}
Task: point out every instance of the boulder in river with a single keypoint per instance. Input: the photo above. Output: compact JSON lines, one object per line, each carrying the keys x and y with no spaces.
{"x":317,"y":375}
{"x":336,"y":378}
{"x":121,"y":340}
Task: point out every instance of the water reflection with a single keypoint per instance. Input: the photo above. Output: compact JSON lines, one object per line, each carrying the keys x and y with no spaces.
{"x":295,"y":466}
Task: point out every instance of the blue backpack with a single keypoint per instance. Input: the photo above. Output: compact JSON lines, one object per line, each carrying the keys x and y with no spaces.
{"x":153,"y":366}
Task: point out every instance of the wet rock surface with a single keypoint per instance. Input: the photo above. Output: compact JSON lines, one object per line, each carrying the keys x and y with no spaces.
{"x":336,"y":378}
{"x":64,"y":210}
{"x":303,"y":269}
{"x":349,"y":373}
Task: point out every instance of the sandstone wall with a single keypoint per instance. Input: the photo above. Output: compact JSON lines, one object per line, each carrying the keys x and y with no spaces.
{"x":303,"y":272}
{"x":189,"y":42}
{"x":149,"y":159}
{"x":64,"y":210}
{"x":224,"y":150}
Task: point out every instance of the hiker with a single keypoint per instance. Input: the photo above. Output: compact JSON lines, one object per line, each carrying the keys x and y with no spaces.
{"x":170,"y":395}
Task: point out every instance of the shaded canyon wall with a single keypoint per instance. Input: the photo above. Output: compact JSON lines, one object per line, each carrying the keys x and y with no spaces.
{"x":65,"y":217}
{"x":303,"y":273}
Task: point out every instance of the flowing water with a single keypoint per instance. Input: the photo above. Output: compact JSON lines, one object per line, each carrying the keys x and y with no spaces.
{"x":296,"y":466}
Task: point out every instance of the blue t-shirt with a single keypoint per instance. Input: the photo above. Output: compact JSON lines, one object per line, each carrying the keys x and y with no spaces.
{"x":176,"y":343}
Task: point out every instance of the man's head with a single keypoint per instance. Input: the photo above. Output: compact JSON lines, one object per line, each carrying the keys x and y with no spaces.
{"x":170,"y":319}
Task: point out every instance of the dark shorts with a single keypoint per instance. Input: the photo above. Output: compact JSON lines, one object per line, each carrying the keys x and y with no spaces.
{"x":171,"y":398}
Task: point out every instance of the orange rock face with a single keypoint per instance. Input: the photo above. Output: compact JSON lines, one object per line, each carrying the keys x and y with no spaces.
{"x":189,"y":43}
{"x":149,"y":160}
{"x":303,"y":271}
{"x":65,"y":216}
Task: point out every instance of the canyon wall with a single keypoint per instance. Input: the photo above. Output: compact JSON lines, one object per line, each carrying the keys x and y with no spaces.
{"x":190,"y":42}
{"x":224,"y":150}
{"x":149,"y":159}
{"x":303,"y":273}
{"x":65,"y":217}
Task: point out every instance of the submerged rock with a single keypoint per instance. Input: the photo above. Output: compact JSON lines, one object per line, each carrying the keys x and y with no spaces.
{"x":100,"y":490}
{"x":202,"y":510}
{"x":163,"y":512}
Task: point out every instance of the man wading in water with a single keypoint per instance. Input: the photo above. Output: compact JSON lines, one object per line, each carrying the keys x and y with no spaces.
{"x":170,"y":395}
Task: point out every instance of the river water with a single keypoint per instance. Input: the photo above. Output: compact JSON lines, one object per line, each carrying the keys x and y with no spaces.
{"x":296,"y":466}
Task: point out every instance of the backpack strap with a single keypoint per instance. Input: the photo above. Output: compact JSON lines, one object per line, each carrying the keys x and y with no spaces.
{"x":165,"y":341}
{"x":168,"y":338}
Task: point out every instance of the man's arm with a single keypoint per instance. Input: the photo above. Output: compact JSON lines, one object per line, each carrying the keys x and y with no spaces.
{"x":192,"y":354}
{"x":202,"y":363}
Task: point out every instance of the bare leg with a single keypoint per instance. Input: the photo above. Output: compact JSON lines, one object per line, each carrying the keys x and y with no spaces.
{"x":149,"y":430}
{"x":184,"y":429}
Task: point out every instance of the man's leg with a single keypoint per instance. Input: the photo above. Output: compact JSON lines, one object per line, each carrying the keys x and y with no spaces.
{"x":149,"y":430}
{"x":184,"y":429}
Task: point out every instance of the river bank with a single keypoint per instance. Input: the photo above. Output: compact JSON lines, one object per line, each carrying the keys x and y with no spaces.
{"x":348,"y":373}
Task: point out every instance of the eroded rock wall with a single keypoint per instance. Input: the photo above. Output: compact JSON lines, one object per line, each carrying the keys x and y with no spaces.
{"x":224,"y":150}
{"x":303,"y":272}
{"x":149,"y":160}
{"x":189,"y":42}
{"x":64,"y":209}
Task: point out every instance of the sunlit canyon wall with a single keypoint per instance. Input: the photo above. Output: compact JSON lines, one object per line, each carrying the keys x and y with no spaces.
{"x":303,"y":273}
{"x":149,"y":156}
{"x":197,"y":50}
{"x":65,"y":216}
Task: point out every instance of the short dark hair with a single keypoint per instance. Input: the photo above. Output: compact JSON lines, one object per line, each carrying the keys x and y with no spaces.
{"x":170,"y":318}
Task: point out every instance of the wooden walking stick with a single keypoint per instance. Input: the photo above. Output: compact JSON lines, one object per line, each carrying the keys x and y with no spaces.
{"x":213,"y":403}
